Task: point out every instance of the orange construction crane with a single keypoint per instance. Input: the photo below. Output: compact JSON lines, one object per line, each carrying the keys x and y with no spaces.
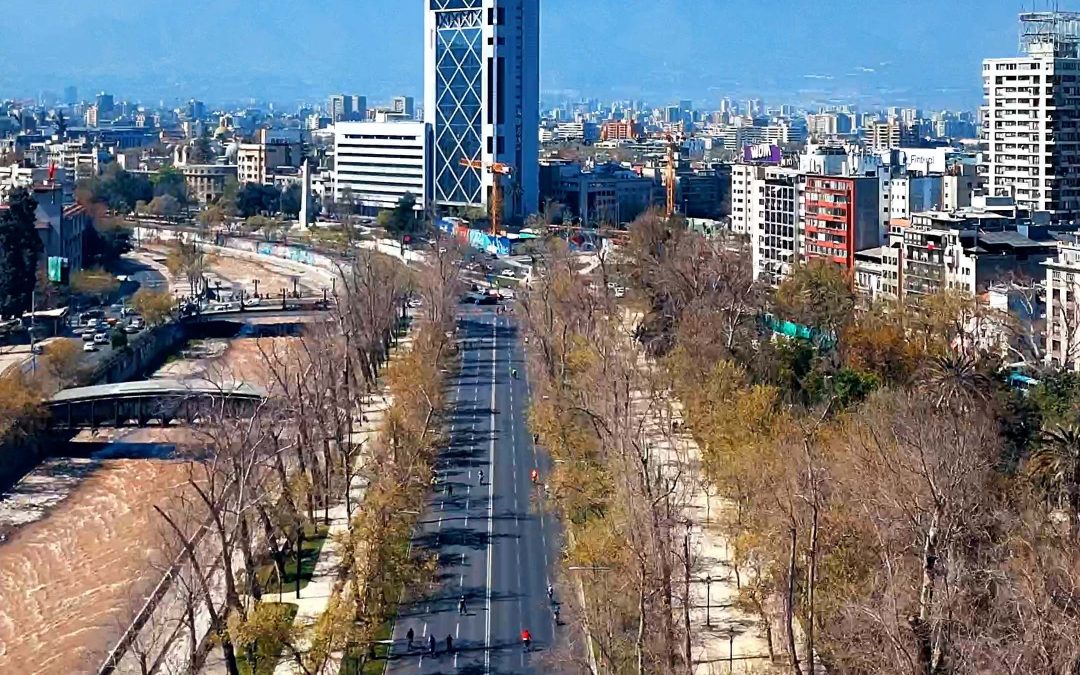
{"x":497,"y":170}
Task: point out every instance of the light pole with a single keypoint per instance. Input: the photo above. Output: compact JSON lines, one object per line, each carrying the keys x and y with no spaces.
{"x":256,"y":287}
{"x":708,"y":600}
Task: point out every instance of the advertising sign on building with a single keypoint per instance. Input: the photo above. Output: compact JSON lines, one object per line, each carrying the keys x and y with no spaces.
{"x":762,"y":153}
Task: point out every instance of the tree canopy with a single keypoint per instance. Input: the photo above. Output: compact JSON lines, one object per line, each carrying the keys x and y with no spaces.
{"x":20,"y":253}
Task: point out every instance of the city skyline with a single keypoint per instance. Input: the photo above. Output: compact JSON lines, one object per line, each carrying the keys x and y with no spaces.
{"x":838,"y":53}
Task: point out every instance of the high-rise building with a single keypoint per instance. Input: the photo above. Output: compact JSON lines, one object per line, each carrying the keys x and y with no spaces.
{"x":196,"y":110}
{"x":105,"y":104}
{"x":1031,"y":120}
{"x":404,"y":105}
{"x":347,"y":108}
{"x":378,"y":163}
{"x":482,"y":99}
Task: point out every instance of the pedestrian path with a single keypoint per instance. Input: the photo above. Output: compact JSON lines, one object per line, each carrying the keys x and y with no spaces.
{"x":724,"y":638}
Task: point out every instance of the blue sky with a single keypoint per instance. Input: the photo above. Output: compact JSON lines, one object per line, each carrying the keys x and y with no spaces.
{"x":924,"y":52}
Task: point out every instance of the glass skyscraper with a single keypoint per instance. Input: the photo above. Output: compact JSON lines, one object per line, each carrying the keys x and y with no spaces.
{"x":481,"y":98}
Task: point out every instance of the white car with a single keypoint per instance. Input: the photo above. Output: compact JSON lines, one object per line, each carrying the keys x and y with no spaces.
{"x":89,"y":347}
{"x":101,"y":339}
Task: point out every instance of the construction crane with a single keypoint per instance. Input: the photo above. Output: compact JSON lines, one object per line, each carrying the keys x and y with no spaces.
{"x":497,"y":171}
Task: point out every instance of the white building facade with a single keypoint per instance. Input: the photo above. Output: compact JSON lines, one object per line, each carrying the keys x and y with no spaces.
{"x":377,"y":163}
{"x":482,"y":100}
{"x":1031,"y":120}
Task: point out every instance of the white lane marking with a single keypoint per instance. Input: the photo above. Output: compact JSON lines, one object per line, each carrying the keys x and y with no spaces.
{"x":461,"y":581}
{"x":491,"y":504}
{"x":424,"y":634}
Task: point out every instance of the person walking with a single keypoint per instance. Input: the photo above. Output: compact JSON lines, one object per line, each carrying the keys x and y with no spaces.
{"x":461,"y":608}
{"x":409,"y":636}
{"x":431,"y":644}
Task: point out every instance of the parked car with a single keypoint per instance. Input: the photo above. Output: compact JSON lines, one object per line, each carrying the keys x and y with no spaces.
{"x":88,"y":336}
{"x":89,"y":347}
{"x":101,"y":339}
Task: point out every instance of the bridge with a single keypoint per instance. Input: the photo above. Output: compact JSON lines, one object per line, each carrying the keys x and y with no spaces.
{"x":137,"y":404}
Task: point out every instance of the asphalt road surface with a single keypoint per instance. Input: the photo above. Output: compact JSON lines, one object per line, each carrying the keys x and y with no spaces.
{"x":496,"y":548}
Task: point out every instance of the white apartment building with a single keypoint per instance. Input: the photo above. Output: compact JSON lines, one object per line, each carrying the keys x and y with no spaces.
{"x":1031,"y":120}
{"x":1062,"y":309}
{"x":743,"y":197}
{"x":377,"y":163}
{"x":774,"y":226}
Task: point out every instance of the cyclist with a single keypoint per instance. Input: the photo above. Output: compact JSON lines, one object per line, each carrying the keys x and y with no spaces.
{"x":555,"y":615}
{"x":535,"y":475}
{"x":513,"y":373}
{"x":551,"y":593}
{"x":526,"y":639}
{"x":461,"y":608}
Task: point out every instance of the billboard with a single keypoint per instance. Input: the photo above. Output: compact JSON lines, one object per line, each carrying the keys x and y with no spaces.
{"x":762,"y":154}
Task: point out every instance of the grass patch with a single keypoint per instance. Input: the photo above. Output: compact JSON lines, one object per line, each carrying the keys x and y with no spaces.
{"x":351,"y":663}
{"x":268,"y":651}
{"x":314,"y":538}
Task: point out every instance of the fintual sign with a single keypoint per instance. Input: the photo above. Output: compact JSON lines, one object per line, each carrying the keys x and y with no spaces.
{"x":763,"y":153}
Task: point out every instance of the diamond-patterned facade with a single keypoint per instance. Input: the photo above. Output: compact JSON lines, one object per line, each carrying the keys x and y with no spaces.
{"x":458,"y":100}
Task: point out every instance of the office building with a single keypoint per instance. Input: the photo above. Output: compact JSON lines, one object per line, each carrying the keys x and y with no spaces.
{"x":404,"y":105}
{"x":347,"y":108}
{"x":196,"y":110}
{"x":377,"y":163}
{"x":260,"y":161}
{"x":1031,"y":118}
{"x":105,"y":105}
{"x":605,"y":194}
{"x":891,"y":134}
{"x":621,"y":130}
{"x":482,"y":91}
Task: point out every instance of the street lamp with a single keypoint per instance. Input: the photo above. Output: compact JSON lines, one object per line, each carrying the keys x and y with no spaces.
{"x":708,"y":600}
{"x":256,"y":287}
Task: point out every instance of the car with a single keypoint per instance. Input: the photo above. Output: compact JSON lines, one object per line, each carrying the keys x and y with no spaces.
{"x":101,"y":339}
{"x":89,"y":347}
{"x":507,"y":274}
{"x":131,"y":329}
{"x":88,"y":336}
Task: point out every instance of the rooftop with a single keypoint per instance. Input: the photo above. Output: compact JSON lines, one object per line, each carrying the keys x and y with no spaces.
{"x":192,"y":387}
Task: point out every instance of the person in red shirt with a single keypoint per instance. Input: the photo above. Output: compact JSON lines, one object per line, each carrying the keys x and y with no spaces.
{"x":526,"y":639}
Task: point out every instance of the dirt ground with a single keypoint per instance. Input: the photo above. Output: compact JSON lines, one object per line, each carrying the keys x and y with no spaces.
{"x":87,"y":546}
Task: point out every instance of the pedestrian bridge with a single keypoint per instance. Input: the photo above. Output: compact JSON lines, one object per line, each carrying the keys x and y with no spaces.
{"x":138,"y":404}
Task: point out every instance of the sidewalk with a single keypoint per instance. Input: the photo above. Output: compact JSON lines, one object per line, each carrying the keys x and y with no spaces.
{"x":724,"y":638}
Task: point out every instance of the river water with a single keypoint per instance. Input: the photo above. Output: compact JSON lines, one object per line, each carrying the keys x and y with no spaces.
{"x":85,"y":545}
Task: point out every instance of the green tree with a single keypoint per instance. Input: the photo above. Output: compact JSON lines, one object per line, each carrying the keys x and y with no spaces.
{"x":20,"y":253}
{"x":1057,"y":463}
{"x":94,"y":282}
{"x":817,"y":295}
{"x":165,"y":206}
{"x":201,"y":152}
{"x":401,"y":220}
{"x":212,"y":216}
{"x":105,"y":241}
{"x":227,"y":199}
{"x":153,"y":306}
{"x":118,"y":338}
{"x":169,"y":181}
{"x":290,"y":201}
